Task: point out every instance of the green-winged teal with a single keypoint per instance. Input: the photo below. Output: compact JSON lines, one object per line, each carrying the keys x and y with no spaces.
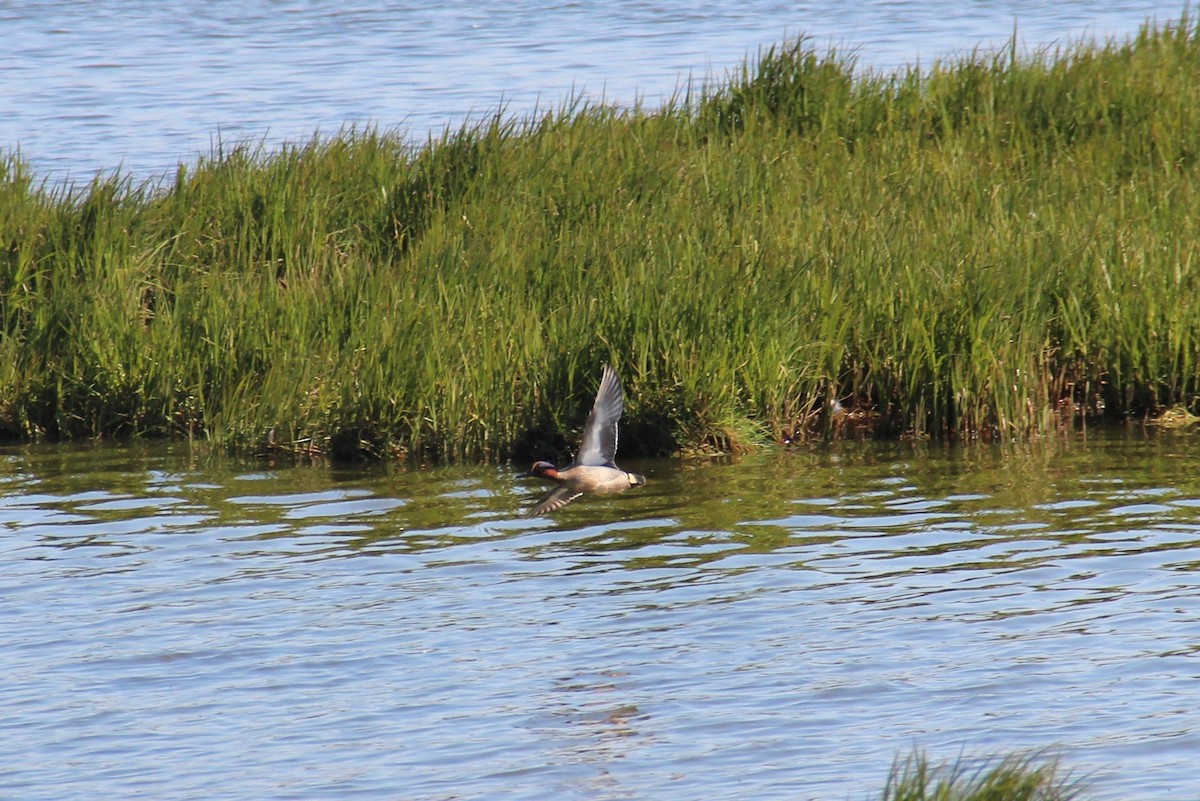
{"x":593,"y":470}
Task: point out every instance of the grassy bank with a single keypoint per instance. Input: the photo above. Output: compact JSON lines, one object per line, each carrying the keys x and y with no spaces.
{"x":993,"y":246}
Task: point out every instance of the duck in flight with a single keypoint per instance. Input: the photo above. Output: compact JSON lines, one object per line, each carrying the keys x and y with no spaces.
{"x":593,"y":470}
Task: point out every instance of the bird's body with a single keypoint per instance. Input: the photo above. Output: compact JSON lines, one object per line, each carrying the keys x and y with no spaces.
{"x":593,"y":470}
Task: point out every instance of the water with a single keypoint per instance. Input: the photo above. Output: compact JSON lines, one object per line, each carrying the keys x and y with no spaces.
{"x":778,"y":627}
{"x":92,"y":87}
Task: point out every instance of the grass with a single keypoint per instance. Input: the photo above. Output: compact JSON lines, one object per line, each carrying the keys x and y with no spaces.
{"x":1013,"y":778}
{"x":996,"y":246}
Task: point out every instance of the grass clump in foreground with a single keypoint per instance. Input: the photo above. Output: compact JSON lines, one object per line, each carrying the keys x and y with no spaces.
{"x":1013,"y":778}
{"x":990,"y":247}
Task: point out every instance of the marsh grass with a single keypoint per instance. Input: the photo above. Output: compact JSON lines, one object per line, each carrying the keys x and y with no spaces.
{"x":994,"y":246}
{"x":1014,"y":778}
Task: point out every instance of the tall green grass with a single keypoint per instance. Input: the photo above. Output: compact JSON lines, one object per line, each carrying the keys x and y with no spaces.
{"x":1014,"y":778}
{"x":993,"y":246}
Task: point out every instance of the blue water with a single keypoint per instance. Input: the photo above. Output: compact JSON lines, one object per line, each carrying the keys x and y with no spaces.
{"x":180,"y":626}
{"x":140,"y":86}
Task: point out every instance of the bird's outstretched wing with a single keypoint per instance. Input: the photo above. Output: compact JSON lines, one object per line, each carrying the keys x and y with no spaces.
{"x":555,"y":500}
{"x":599,"y":444}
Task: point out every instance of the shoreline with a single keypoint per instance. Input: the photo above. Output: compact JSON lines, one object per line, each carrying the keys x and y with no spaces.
{"x":997,"y":247}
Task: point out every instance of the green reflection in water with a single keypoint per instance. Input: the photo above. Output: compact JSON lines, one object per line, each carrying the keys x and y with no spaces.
{"x":1138,"y":489}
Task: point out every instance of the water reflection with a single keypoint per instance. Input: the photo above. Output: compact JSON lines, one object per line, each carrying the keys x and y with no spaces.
{"x":774,"y":626}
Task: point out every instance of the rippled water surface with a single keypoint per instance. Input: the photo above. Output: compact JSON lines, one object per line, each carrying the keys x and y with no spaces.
{"x":87,"y":87}
{"x":777,"y":627}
